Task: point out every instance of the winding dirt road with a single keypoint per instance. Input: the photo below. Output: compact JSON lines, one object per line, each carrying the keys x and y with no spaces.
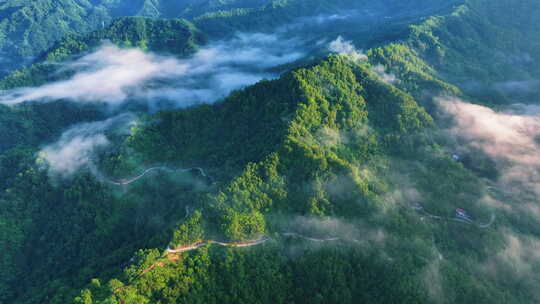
{"x":296,"y":235}
{"x":124,"y":182}
{"x":251,"y":243}
{"x":420,"y":209}
{"x":489,"y":223}
{"x":225,"y":244}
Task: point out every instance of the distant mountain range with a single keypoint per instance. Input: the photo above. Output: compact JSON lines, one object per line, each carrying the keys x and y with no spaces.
{"x":339,"y":151}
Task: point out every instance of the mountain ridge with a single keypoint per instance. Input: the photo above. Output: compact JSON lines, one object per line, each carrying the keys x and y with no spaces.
{"x":350,"y":146}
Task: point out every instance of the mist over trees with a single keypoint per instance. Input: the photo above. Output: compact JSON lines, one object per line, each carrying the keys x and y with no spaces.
{"x":299,"y":151}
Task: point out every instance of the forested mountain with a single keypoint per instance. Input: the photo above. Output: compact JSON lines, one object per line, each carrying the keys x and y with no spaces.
{"x":176,"y":36}
{"x":248,"y":152}
{"x":30,"y":27}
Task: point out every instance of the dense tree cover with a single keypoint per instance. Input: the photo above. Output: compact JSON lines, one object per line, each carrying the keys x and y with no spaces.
{"x":30,"y":27}
{"x":337,"y":145}
{"x":318,"y":275}
{"x":325,"y":150}
{"x":174,"y":36}
{"x":69,"y":220}
{"x":192,"y":9}
{"x":171,"y":36}
{"x":25,"y":128}
{"x":367,"y":21}
{"x":174,"y":8}
{"x":461,"y":49}
{"x":33,"y":124}
{"x":324,"y":99}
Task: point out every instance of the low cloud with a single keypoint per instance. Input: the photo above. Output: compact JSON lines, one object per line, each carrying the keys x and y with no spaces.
{"x":318,"y":24}
{"x":113,"y":75}
{"x":304,"y":23}
{"x":77,"y":146}
{"x":327,"y":228}
{"x":522,"y":86}
{"x":433,"y":281}
{"x":403,"y":195}
{"x":108,"y":75}
{"x":326,"y":18}
{"x":523,"y":109}
{"x":380,"y":70}
{"x":346,"y":48}
{"x":519,"y":260}
{"x":523,"y":89}
{"x":70,"y":154}
{"x":509,"y":138}
{"x":520,"y":59}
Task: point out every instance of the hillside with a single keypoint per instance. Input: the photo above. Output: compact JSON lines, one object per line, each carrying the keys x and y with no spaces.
{"x":496,"y":62}
{"x":406,"y":173}
{"x":326,"y":161}
{"x":368,"y":24}
{"x":171,"y":36}
{"x":30,"y":27}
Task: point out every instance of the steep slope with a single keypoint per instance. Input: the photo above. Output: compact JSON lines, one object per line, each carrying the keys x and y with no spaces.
{"x":367,"y":21}
{"x":323,"y":148}
{"x":30,"y":27}
{"x":352,"y":148}
{"x":338,"y":178}
{"x":298,"y":109}
{"x":190,"y":9}
{"x":175,"y":36}
{"x":171,"y":36}
{"x":490,"y":50}
{"x":31,"y":126}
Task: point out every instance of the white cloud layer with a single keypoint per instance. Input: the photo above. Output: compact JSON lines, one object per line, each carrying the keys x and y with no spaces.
{"x":113,"y":75}
{"x":518,"y":261}
{"x":77,"y":145}
{"x":345,"y":47}
{"x":383,"y":75}
{"x":510,"y":138}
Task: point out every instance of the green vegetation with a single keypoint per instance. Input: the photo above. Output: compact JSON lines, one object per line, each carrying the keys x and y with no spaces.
{"x":338,"y":137}
{"x":367,"y":22}
{"x":28,"y":27}
{"x":174,"y":36}
{"x":461,"y":49}
{"x":328,"y":150}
